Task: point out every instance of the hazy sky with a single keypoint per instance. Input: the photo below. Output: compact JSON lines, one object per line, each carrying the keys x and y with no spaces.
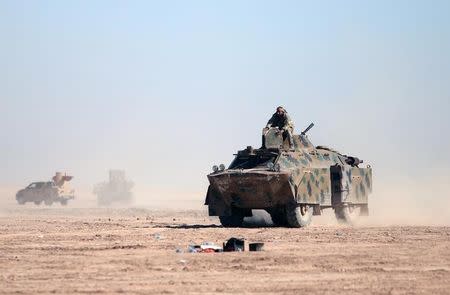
{"x":166,"y":89}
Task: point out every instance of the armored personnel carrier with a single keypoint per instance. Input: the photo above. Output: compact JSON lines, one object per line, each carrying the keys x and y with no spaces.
{"x":291,"y":183}
{"x":117,"y":189}
{"x":48,"y":192}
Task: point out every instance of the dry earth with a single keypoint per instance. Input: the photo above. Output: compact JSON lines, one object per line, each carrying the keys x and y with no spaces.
{"x":133,"y":251}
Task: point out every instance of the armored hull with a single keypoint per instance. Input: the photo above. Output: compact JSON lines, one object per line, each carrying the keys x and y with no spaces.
{"x":251,"y":189}
{"x":291,"y":183}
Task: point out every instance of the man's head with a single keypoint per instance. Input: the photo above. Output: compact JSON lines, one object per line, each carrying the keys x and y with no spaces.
{"x":280,"y":111}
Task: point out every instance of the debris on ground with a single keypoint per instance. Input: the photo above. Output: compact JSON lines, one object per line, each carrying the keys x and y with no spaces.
{"x":231,"y":245}
{"x":206,"y":247}
{"x":234,"y":244}
{"x":255,"y":246}
{"x":212,"y":246}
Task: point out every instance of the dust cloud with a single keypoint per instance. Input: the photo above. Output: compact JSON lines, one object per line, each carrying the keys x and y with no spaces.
{"x":407,"y":203}
{"x":411,"y":204}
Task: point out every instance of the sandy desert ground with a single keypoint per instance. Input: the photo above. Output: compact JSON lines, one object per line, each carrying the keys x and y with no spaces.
{"x":134,"y":251}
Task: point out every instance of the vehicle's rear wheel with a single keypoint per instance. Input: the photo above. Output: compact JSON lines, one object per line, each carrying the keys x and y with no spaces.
{"x":347,"y":213}
{"x":37,"y":202}
{"x":299,"y":215}
{"x":278,"y":217}
{"x":231,"y":221}
{"x":64,"y":202}
{"x":21,"y":201}
{"x":48,"y":202}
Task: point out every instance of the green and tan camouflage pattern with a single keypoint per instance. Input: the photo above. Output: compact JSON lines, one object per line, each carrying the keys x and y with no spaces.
{"x":304,"y":177}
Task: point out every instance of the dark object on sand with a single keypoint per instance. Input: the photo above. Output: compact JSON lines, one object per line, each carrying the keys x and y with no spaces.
{"x":234,"y":244}
{"x":256,"y":246}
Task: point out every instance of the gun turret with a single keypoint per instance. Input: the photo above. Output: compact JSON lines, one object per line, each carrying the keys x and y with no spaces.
{"x":60,"y":179}
{"x":307,"y":129}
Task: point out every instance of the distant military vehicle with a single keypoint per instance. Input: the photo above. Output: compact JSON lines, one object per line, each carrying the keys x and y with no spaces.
{"x":48,"y":192}
{"x":117,"y":189}
{"x":291,"y":183}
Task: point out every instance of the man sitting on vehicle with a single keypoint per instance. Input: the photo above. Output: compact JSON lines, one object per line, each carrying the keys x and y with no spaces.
{"x":283,"y":122}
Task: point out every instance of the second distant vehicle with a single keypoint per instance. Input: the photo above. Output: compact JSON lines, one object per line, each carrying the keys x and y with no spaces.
{"x":116,"y":190}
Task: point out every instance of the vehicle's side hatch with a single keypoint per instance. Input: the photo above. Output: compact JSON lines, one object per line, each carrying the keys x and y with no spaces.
{"x":336,"y":185}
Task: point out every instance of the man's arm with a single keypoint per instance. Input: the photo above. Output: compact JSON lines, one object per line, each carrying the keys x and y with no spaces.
{"x":270,"y":122}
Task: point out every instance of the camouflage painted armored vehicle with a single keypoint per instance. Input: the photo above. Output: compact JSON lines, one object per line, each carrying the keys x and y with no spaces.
{"x":117,"y":189}
{"x":49,"y":192}
{"x":291,"y":183}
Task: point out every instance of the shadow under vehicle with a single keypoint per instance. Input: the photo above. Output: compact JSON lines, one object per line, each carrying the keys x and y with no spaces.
{"x":49,"y":192}
{"x":116,"y":190}
{"x":291,"y":184}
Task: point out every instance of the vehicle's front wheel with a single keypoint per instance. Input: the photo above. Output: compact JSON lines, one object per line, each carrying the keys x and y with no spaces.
{"x":64,"y":202}
{"x":231,"y":221}
{"x":37,"y":202}
{"x":48,"y":202}
{"x":20,"y":201}
{"x":299,"y":215}
{"x":278,"y":217}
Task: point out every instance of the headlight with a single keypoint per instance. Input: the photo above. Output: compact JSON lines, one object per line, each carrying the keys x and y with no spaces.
{"x":221,"y":167}
{"x":215,"y":168}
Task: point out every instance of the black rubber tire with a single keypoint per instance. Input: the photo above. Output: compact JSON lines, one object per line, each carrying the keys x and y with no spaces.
{"x":299,"y":215}
{"x":37,"y":202}
{"x":64,"y":202}
{"x":278,"y":217}
{"x":346,"y":214}
{"x":48,"y":202}
{"x":21,"y":201}
{"x":231,"y":221}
